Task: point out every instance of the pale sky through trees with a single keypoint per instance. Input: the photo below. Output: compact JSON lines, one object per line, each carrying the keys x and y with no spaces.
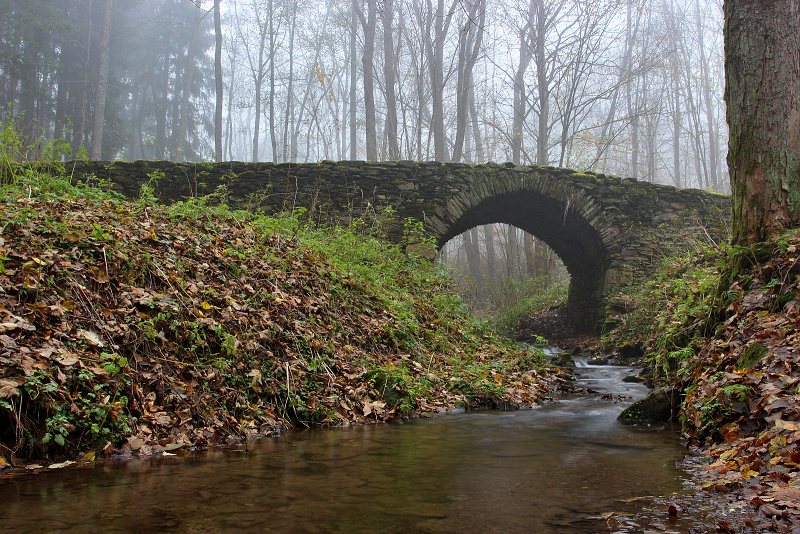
{"x":625,"y":88}
{"x":631,"y":88}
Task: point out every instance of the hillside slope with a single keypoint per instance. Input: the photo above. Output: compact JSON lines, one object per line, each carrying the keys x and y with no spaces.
{"x":134,"y":328}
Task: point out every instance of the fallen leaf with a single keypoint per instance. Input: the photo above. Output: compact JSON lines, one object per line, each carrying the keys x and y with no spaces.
{"x":90,"y":337}
{"x":8,"y":388}
{"x":786,"y":425}
{"x":66,"y":361}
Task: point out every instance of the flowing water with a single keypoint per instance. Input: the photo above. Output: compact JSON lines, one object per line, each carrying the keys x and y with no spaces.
{"x":542,"y":471}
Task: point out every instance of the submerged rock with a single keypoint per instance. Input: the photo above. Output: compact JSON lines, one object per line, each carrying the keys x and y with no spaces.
{"x":658,"y":406}
{"x":563,"y":359}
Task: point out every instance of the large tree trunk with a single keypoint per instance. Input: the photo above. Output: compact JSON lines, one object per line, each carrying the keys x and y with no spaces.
{"x":676,"y":126}
{"x":272,"y":50}
{"x":491,"y":255}
{"x":368,"y":25}
{"x":713,"y":142}
{"x":476,"y":130}
{"x":762,"y":90}
{"x":469,"y":46}
{"x":543,"y":86}
{"x":530,"y":254}
{"x":353,"y":79}
{"x":435,"y":51}
{"x":102,"y":83}
{"x":186,"y":91}
{"x":472,"y":245}
{"x":289,"y":115}
{"x":519,"y":100}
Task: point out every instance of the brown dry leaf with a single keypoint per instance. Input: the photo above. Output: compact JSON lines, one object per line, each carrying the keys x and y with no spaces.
{"x":791,"y":426}
{"x":7,"y":342}
{"x":90,"y":337}
{"x":7,"y":327}
{"x":8,"y":387}
{"x":255,"y":376}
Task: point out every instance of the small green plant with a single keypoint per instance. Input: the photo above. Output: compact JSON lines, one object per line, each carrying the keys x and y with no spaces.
{"x":147,"y":191}
{"x":516,"y":299}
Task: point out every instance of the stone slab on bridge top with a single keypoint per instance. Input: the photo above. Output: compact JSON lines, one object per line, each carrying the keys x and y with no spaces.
{"x":608,"y":231}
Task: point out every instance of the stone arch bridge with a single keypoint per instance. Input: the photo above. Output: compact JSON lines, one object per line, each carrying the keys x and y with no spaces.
{"x":608,"y":231}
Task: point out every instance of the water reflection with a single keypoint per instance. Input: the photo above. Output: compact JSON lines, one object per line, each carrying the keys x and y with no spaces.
{"x":541,"y":471}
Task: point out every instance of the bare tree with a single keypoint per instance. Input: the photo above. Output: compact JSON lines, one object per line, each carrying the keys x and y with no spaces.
{"x":469,"y":47}
{"x":218,"y":86}
{"x":389,"y":71}
{"x":437,"y":25}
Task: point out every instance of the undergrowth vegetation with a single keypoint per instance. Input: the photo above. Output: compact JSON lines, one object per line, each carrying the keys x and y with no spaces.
{"x":671,"y":314}
{"x":724,"y":326}
{"x":128,"y":322}
{"x":518,"y":299}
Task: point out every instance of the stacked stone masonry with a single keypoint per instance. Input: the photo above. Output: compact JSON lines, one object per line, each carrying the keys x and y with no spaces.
{"x":608,"y":231}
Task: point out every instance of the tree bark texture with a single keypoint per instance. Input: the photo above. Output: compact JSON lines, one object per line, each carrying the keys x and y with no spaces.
{"x":762,"y":91}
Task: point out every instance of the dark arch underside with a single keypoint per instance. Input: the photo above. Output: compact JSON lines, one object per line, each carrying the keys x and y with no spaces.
{"x":576,"y":242}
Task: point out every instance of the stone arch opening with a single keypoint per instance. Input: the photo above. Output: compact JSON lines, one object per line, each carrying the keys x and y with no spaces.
{"x":495,"y":264}
{"x":564,"y":229}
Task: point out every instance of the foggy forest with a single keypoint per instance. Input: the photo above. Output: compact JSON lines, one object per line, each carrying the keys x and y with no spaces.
{"x":630,"y":88}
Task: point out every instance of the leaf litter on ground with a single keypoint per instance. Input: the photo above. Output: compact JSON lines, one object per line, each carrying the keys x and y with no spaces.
{"x":132,"y":328}
{"x":741,"y":406}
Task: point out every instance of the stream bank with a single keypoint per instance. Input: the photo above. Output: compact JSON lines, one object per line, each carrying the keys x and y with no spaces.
{"x":561,"y":468}
{"x":722,"y":327}
{"x":130,"y":328}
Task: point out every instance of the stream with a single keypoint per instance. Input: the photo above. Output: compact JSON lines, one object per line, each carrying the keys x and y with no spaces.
{"x":548,"y":470}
